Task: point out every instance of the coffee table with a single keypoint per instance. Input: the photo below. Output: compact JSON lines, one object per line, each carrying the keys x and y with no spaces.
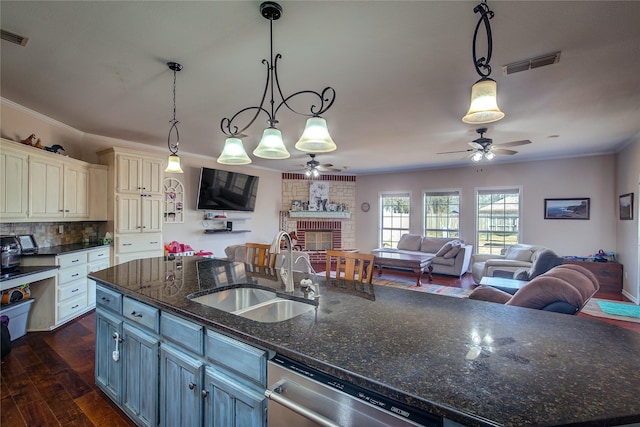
{"x":415,"y":262}
{"x":504,"y":284}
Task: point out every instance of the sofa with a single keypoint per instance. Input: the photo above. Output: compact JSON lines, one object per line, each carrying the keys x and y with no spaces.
{"x":520,"y":261}
{"x":563,"y":289}
{"x":451,"y":255}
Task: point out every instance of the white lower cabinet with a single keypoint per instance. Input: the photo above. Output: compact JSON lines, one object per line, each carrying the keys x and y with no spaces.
{"x":73,"y":294}
{"x":174,"y":372}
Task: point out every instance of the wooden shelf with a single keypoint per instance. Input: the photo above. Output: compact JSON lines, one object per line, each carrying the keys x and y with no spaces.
{"x":320,"y":214}
{"x":223,"y":231}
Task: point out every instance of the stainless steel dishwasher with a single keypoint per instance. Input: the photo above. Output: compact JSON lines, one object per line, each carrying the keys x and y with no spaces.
{"x":301,"y":396}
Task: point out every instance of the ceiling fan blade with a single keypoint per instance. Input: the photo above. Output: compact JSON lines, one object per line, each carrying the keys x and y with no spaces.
{"x":468,"y":156}
{"x":503,"y":151}
{"x":458,"y":151}
{"x":327,"y":168}
{"x":513,"y":143}
{"x":475,"y":145}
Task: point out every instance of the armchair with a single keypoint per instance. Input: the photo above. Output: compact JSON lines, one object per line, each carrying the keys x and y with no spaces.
{"x":563,"y":289}
{"x":520,"y":261}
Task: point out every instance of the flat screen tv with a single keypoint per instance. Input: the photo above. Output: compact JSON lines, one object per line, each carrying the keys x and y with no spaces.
{"x":226,"y":191}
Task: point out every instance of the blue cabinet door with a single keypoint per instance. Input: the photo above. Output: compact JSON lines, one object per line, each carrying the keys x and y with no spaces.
{"x":108,"y":369}
{"x":231,"y":403}
{"x":140,"y":379}
{"x":180,"y":388}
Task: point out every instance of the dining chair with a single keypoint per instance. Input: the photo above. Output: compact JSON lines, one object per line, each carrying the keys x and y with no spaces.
{"x":350,"y":265}
{"x":258,"y":254}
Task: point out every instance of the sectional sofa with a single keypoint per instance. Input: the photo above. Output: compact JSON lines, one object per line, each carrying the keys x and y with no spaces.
{"x":451,"y":256}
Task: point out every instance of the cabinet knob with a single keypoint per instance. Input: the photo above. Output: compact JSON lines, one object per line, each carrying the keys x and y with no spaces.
{"x":134,"y":314}
{"x":205,"y":394}
{"x":192,"y":386}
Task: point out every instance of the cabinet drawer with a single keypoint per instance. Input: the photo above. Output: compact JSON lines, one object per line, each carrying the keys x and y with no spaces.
{"x":97,"y":255}
{"x":242,"y":358}
{"x":69,"y":260}
{"x":141,"y":313}
{"x":71,"y":290}
{"x":139,"y":243}
{"x":182,"y":332}
{"x":72,"y":273}
{"x":111,"y":300}
{"x":72,"y":307}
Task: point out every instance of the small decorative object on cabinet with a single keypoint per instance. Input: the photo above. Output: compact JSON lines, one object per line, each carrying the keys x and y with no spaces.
{"x":174,"y":201}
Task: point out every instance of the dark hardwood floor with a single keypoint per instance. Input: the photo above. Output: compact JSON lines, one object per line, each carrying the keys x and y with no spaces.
{"x":48,"y":378}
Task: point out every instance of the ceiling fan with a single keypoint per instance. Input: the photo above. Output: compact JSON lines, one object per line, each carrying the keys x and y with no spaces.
{"x":313,"y":167}
{"x":485,"y":148}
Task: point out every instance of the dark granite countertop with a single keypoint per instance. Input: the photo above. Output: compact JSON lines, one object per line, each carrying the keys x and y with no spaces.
{"x":64,"y":249}
{"x":532,"y":367}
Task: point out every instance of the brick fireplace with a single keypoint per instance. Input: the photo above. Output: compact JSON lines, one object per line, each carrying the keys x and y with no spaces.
{"x":304,"y":227}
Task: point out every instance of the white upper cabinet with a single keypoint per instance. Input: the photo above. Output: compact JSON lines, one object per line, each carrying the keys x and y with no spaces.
{"x":14,"y":189}
{"x":45,"y":188}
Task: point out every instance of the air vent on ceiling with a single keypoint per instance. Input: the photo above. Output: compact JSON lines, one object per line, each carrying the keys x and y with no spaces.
{"x":13,"y":37}
{"x":528,"y":64}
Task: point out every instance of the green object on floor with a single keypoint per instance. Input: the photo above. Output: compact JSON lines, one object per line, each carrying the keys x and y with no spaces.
{"x":620,"y":309}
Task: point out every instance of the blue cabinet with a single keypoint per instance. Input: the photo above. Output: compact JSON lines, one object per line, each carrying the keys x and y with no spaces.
{"x":170,"y":371}
{"x":108,"y":363}
{"x":140,"y":379}
{"x":180,"y":388}
{"x":231,"y":403}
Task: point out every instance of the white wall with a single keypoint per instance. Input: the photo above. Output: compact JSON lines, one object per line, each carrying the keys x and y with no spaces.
{"x":591,"y":177}
{"x":19,"y":122}
{"x":627,"y":232}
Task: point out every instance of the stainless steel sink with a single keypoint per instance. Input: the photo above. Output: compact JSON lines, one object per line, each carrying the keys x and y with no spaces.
{"x":276,"y":311}
{"x":255,"y":304}
{"x":235,"y":299}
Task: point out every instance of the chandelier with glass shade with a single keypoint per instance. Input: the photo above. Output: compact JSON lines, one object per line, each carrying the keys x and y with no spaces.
{"x":315,"y":137}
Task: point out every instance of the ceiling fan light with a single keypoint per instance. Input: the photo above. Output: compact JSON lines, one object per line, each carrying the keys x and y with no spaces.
{"x":233,"y":153}
{"x":173,"y":164}
{"x":271,"y":145}
{"x":484,"y":105}
{"x":489,"y":155}
{"x":315,"y":173}
{"x":307,"y":173}
{"x":316,"y":138}
{"x":477,"y":156}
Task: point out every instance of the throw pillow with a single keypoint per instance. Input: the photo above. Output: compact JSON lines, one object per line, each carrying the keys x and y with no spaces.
{"x":450,"y":246}
{"x":445,"y":248}
{"x":455,"y":248}
{"x":410,"y":242}
{"x":518,"y":253}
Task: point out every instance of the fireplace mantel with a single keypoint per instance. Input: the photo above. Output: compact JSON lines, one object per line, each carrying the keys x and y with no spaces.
{"x":320,"y":214}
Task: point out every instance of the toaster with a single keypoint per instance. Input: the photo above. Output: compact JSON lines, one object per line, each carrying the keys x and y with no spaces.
{"x":10,"y":252}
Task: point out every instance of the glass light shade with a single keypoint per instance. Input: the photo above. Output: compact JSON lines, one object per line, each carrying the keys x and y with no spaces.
{"x":489,"y":155}
{"x":233,"y":153}
{"x":316,"y":138}
{"x":271,"y":145}
{"x":477,"y":156}
{"x":173,"y":164}
{"x":484,"y":105}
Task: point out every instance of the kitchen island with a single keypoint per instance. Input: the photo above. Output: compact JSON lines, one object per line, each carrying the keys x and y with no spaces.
{"x":472,"y":362}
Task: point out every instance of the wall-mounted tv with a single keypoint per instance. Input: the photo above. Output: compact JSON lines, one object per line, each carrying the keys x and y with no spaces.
{"x":226,"y":191}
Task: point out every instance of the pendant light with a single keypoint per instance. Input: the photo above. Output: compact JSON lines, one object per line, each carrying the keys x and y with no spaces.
{"x":484,"y":105}
{"x":315,"y":137}
{"x":173,"y":164}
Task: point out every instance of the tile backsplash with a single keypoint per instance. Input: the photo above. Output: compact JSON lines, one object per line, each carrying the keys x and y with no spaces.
{"x":48,"y":233}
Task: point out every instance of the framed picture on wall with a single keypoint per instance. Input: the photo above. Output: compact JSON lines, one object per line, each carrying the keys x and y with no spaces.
{"x":626,"y":206}
{"x":567,"y":208}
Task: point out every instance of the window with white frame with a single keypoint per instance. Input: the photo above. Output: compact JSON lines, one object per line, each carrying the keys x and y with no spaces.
{"x":395,"y":210}
{"x":442,"y":213}
{"x":497,"y":219}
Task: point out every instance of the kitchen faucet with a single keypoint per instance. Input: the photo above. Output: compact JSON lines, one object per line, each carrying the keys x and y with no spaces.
{"x":275,"y":249}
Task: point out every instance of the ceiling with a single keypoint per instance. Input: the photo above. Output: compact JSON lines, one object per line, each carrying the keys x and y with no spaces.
{"x":402,"y":72}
